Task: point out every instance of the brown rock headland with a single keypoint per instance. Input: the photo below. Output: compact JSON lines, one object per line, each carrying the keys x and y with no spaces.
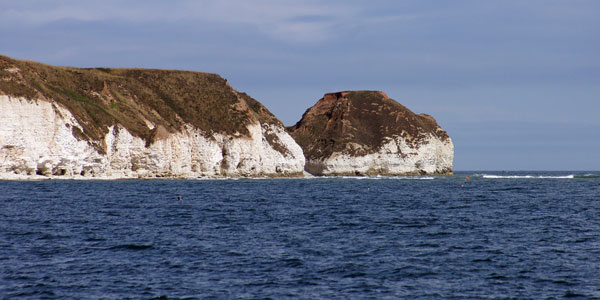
{"x":368,"y":133}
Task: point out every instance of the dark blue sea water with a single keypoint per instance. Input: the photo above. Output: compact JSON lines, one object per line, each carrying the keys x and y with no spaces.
{"x":509,"y":236}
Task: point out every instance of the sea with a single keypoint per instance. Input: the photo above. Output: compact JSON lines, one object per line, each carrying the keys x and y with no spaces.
{"x":495,"y":235}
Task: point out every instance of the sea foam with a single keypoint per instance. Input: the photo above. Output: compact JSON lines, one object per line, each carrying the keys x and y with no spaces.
{"x":491,"y":176}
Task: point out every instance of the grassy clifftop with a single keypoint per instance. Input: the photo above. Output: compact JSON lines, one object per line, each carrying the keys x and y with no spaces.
{"x":101,"y":97}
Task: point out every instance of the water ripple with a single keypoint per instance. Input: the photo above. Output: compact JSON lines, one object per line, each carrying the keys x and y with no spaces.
{"x":329,"y":238}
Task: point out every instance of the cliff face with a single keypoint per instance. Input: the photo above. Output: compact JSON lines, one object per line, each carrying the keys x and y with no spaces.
{"x":367,"y":133}
{"x":123,"y":123}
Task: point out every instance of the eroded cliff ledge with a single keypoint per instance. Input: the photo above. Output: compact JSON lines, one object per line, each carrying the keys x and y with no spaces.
{"x":123,"y":123}
{"x":367,"y":133}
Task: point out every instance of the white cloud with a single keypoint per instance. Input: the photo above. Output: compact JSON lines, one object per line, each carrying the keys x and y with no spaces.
{"x":38,"y":16}
{"x":292,"y":21}
{"x":298,"y":21}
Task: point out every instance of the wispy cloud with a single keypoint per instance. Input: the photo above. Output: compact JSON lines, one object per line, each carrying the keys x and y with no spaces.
{"x":292,"y":21}
{"x":297,"y":21}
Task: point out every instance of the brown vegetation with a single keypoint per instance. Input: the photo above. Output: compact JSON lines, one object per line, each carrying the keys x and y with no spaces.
{"x":358,"y":123}
{"x":101,"y":97}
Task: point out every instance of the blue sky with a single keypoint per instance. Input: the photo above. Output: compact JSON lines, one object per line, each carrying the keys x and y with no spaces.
{"x":515,"y":83}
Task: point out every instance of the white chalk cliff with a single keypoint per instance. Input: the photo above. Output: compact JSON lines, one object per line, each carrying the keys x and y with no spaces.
{"x":395,"y":157}
{"x":66,"y":122}
{"x":36,"y":138}
{"x":367,"y":133}
{"x":135,"y":123}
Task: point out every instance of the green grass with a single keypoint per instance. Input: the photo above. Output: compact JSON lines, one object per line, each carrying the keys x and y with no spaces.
{"x":77,"y":97}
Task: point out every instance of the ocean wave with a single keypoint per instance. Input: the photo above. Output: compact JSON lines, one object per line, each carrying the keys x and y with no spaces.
{"x":356,"y":177}
{"x":378,"y":177}
{"x":415,"y":177}
{"x":588,"y":176}
{"x":131,"y":247}
{"x":491,"y":176}
{"x":384,"y":177}
{"x":216,"y":178}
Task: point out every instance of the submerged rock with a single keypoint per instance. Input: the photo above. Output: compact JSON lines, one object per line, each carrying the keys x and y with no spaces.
{"x":130,"y":123}
{"x":367,"y":133}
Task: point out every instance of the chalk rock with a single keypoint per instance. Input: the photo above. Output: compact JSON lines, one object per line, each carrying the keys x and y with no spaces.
{"x":135,"y":123}
{"x":367,"y":133}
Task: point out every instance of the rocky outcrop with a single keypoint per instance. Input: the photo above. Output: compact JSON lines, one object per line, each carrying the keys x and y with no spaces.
{"x":134,"y":123}
{"x":367,"y":133}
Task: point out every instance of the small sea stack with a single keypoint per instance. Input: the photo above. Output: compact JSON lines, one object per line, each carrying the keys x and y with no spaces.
{"x":368,"y":133}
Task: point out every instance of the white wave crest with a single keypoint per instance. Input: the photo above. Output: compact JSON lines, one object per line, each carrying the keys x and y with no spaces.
{"x":378,"y":177}
{"x":489,"y":176}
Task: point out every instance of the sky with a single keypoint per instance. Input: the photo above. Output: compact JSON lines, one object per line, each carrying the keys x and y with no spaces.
{"x":516,"y":84}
